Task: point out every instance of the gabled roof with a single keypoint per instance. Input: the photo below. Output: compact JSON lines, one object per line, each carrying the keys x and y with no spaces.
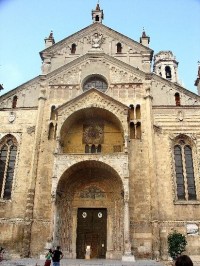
{"x":113,"y":60}
{"x":87,"y":93}
{"x":100,"y":27}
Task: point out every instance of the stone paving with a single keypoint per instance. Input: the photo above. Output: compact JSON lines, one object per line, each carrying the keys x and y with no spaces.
{"x":78,"y":262}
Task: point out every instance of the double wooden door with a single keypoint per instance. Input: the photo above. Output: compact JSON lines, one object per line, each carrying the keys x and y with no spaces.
{"x":91,"y":231}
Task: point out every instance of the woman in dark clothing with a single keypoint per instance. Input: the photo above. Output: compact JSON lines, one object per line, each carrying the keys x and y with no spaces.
{"x":57,"y":256}
{"x":183,"y":260}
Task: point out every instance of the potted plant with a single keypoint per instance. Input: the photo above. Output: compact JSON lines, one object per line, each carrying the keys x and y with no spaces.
{"x":176,"y":244}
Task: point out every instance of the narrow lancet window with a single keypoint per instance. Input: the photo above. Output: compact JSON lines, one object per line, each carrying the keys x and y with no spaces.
{"x":132,"y":130}
{"x":93,"y":149}
{"x":99,"y":148}
{"x":131,"y":112}
{"x":185,"y":180}
{"x":119,"y":47}
{"x":8,"y":153}
{"x":53,"y":113}
{"x":168,"y":72}
{"x":73,"y":48}
{"x":189,"y":173}
{"x":87,"y":149}
{"x":138,"y":130}
{"x":177,"y":99}
{"x":14,"y":102}
{"x":51,"y":131}
{"x":179,"y":173}
{"x":138,"y":113}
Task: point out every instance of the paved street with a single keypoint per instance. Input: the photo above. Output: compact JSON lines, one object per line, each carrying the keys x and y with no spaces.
{"x":77,"y":262}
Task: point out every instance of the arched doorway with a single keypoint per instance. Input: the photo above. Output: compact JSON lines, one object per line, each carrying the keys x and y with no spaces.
{"x":89,"y":211}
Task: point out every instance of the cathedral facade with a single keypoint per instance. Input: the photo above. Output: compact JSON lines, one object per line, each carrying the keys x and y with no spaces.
{"x":99,"y":154}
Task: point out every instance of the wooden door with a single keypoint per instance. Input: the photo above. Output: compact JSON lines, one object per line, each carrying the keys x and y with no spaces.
{"x":91,"y":231}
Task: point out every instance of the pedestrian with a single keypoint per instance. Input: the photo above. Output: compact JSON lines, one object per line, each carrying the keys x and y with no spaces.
{"x":183,"y":260}
{"x":48,"y":258}
{"x":1,"y":253}
{"x":57,"y":256}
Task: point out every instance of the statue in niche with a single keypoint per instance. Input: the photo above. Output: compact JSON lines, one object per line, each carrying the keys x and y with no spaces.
{"x":97,"y":40}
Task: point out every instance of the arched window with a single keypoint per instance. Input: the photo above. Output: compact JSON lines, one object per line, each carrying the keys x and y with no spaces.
{"x":55,"y":131}
{"x":185,"y":182}
{"x":168,"y":72}
{"x":119,"y":47}
{"x":14,"y":102}
{"x":97,"y":18}
{"x":93,"y":149}
{"x":132,"y":130}
{"x":8,"y":152}
{"x":177,"y":99}
{"x":53,"y":113}
{"x":99,"y":148}
{"x":96,"y":82}
{"x":138,"y":130}
{"x":131,"y":112}
{"x":51,"y":131}
{"x":138,"y":113}
{"x":73,"y":48}
{"x":87,"y":149}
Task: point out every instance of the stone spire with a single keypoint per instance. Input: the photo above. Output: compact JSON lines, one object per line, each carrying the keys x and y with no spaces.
{"x":144,"y":40}
{"x":197,"y":81}
{"x":1,"y":87}
{"x":50,"y":40}
{"x":97,"y":14}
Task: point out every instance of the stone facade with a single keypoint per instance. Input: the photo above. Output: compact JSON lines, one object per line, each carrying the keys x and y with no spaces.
{"x":98,"y":129}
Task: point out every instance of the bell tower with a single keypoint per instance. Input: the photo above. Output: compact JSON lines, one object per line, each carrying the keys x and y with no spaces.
{"x":97,"y":14}
{"x":166,"y":66}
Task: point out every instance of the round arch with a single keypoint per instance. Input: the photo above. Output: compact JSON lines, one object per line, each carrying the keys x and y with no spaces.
{"x":96,"y":81}
{"x":91,"y":126}
{"x":89,"y":185}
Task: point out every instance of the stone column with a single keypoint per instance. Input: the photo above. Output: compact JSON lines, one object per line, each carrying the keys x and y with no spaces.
{"x":54,"y":226}
{"x":109,"y":252}
{"x":53,"y":212}
{"x":163,"y":244}
{"x":33,"y":171}
{"x":127,"y":244}
{"x":50,"y":241}
{"x":74,"y":235}
{"x":152,"y":172}
{"x":126,"y":143}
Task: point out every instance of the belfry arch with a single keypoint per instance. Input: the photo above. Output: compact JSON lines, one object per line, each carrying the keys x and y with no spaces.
{"x":90,"y":185}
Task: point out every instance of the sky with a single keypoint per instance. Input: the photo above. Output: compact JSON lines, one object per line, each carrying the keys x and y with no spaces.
{"x":171,"y":25}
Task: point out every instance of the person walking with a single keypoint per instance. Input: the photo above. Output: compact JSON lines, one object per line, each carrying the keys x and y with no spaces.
{"x":57,"y":256}
{"x":48,"y":258}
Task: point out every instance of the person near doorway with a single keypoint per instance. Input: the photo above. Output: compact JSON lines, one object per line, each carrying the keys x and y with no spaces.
{"x":48,"y":258}
{"x":57,"y":256}
{"x":183,"y":260}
